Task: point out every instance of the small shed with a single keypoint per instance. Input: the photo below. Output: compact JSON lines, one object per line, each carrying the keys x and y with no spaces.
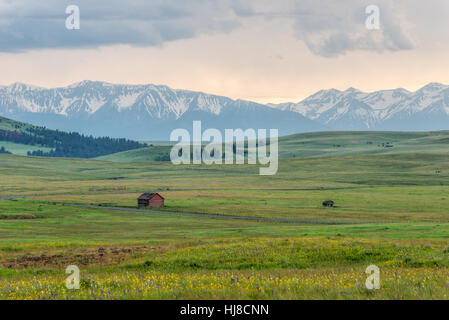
{"x":150,"y":200}
{"x":328,"y":203}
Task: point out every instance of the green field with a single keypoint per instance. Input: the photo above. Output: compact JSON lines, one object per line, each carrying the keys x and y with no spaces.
{"x":324,"y":144}
{"x":12,"y":125}
{"x":21,"y":149}
{"x":17,"y":148}
{"x":391,"y":210}
{"x":152,"y":153}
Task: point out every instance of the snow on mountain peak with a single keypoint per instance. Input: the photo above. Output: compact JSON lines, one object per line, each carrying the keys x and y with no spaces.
{"x":342,"y":109}
{"x":126,"y":100}
{"x":351,"y":90}
{"x":86,"y":83}
{"x":433,"y":86}
{"x":157,"y":101}
{"x":21,"y":87}
{"x":349,"y":109}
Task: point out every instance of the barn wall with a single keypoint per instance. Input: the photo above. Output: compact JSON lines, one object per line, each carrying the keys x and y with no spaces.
{"x":157,"y":203}
{"x":142,"y":203}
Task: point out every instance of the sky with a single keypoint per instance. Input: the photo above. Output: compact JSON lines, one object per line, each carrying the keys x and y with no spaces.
{"x":259,"y":50}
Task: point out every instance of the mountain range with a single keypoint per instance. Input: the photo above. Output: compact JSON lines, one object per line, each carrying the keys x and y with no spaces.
{"x":151,"y":112}
{"x":144,"y":112}
{"x":395,"y":110}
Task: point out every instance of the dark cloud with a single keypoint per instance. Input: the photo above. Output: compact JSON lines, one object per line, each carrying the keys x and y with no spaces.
{"x":27,"y":24}
{"x":328,"y":27}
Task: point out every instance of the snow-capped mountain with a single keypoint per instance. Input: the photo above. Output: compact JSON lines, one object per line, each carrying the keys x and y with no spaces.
{"x":399,"y":109}
{"x":139,"y":111}
{"x":152,"y":111}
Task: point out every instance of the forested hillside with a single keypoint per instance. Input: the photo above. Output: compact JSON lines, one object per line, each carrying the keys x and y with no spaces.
{"x":62,"y":144}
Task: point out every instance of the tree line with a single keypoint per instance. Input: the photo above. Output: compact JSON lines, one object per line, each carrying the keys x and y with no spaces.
{"x":4,"y":151}
{"x":68,"y":144}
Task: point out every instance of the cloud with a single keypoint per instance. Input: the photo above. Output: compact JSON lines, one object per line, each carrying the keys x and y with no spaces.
{"x":28,"y":24}
{"x":329,"y":28}
{"x":336,"y":29}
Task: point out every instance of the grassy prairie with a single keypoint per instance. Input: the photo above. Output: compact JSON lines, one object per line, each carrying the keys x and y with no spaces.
{"x":151,"y":153}
{"x":374,"y":205}
{"x":366,"y":188}
{"x":326,"y":144}
{"x":392,"y":209}
{"x":305,"y":268}
{"x":21,"y":149}
{"x":12,"y":125}
{"x":68,"y":224}
{"x":403,"y":283}
{"x":343,"y":143}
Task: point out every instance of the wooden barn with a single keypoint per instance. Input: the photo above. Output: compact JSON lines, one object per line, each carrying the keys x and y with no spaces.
{"x":150,"y":200}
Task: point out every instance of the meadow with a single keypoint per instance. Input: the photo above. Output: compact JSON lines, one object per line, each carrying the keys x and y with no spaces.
{"x":322,"y":144}
{"x":391,"y":210}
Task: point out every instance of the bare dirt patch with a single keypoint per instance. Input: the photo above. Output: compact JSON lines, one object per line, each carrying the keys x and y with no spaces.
{"x":82,"y":257}
{"x":24,"y":216}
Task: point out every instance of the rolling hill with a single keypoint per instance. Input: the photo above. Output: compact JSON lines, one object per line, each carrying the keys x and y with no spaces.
{"x":24,"y":139}
{"x":344,"y":143}
{"x":151,"y":153}
{"x":325,"y":144}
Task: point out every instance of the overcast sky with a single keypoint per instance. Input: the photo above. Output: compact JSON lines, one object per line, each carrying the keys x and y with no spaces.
{"x":261,"y":50}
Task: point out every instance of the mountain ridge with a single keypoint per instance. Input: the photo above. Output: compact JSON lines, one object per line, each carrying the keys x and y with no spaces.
{"x":393,"y":109}
{"x":151,"y":112}
{"x":148,"y":112}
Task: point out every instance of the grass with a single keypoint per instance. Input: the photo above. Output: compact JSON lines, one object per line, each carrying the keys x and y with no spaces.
{"x":415,"y":283}
{"x":374,"y":205}
{"x":325,"y":144}
{"x":302,"y":253}
{"x":73,"y":224}
{"x":253,"y":269}
{"x":365,"y":188}
{"x":398,"y":200}
{"x":308,"y":145}
{"x":12,"y":125}
{"x":152,"y":153}
{"x":21,"y":149}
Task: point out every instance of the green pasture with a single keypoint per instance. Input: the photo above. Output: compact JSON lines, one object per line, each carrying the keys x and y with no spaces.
{"x":391,"y":209}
